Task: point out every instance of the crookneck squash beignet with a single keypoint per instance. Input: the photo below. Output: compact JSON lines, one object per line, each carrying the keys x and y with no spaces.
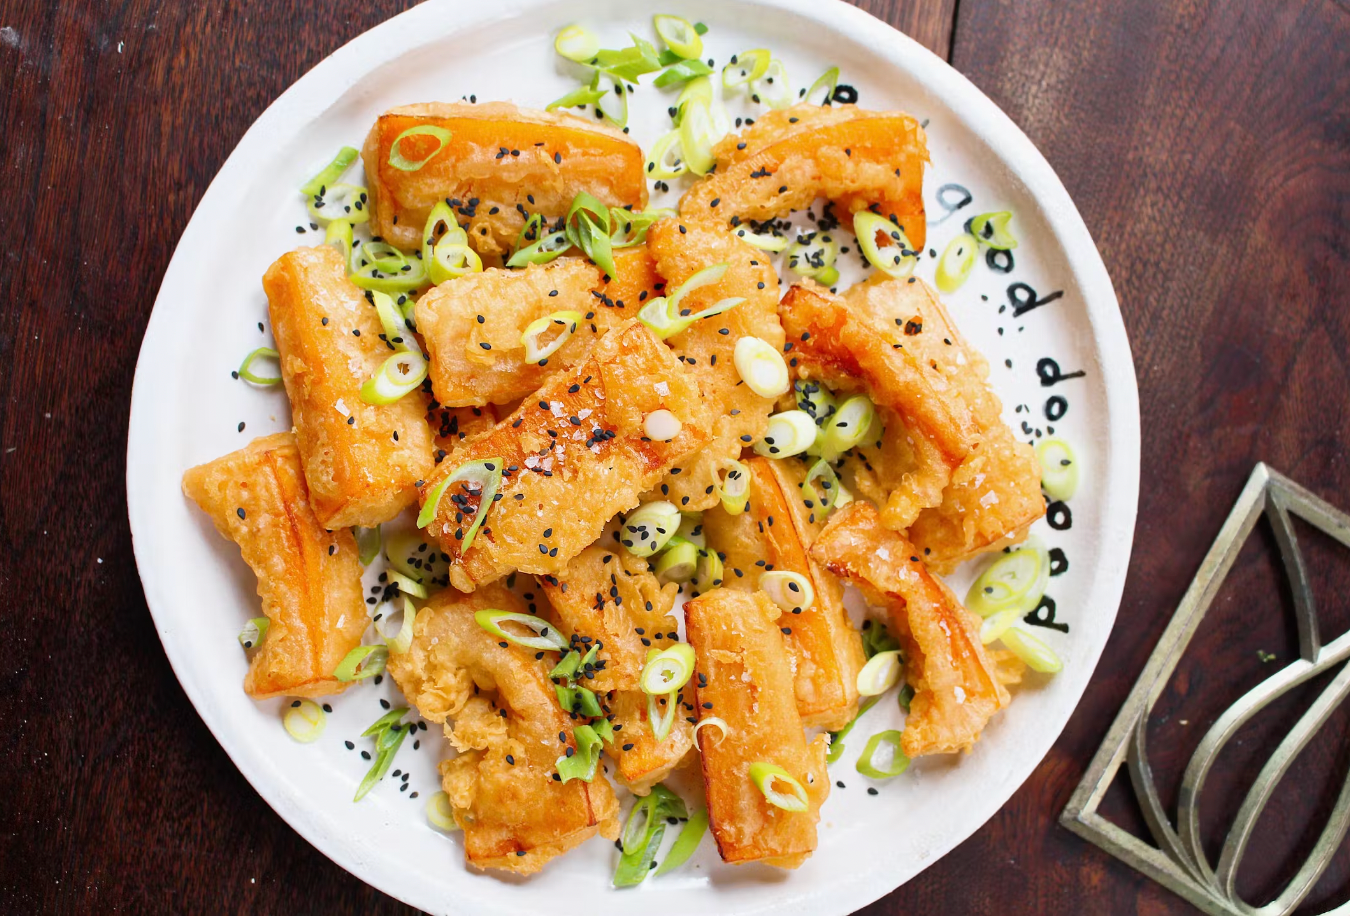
{"x":682,"y":248}
{"x":574,"y":454}
{"x":509,"y":733}
{"x":776,"y":530}
{"x":957,"y":687}
{"x":860,"y":160}
{"x":496,"y":164}
{"x":361,"y":460}
{"x":744,"y":677}
{"x":309,"y":579}
{"x":995,"y":494}
{"x":612,"y":597}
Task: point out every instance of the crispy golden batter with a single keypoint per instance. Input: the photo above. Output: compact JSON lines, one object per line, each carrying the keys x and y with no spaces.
{"x":574,"y":462}
{"x":956,"y":686}
{"x":472,"y":327}
{"x":901,"y":472}
{"x":612,"y":598}
{"x":682,"y":248}
{"x":309,"y":579}
{"x":859,"y":159}
{"x":500,"y":162}
{"x":745,"y":678}
{"x":359,"y":472}
{"x":776,"y":531}
{"x":995,"y":495}
{"x":515,"y":816}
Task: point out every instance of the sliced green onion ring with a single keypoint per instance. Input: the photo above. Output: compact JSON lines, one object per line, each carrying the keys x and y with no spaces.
{"x":630,"y":229}
{"x":815,"y":399}
{"x":679,"y":35}
{"x":643,"y":832}
{"x":407,"y":278}
{"x":789,"y":433}
{"x":340,"y":201}
{"x":877,"y":639}
{"x":746,"y":67}
{"x":339,"y":235}
{"x":404,"y":164}
{"x":361,"y":663}
{"x":402,"y":640}
{"x":992,"y":229}
{"x":613,"y":104}
{"x":399,"y":375}
{"x":661,"y":722}
{"x":827,"y":497}
{"x":677,"y":563}
{"x":773,"y":88}
{"x":661,"y":425}
{"x":563,"y":323}
{"x":482,"y":478}
{"x":956,"y":262}
{"x":628,"y":63}
{"x":848,"y":426}
{"x":246,"y":367}
{"x":1037,"y":655}
{"x":1016,"y":580}
{"x":1059,"y":469}
{"x":993,"y":628}
{"x":699,"y":133}
{"x":389,"y":734}
{"x":582,"y":95}
{"x":778,"y":786}
{"x":708,"y":572}
{"x":304,"y":720}
{"x":451,"y":261}
{"x":791,"y":591}
{"x":413,"y":557}
{"x":439,"y":813}
{"x":254,"y":632}
{"x":583,"y":762}
{"x":546,"y":638}
{"x":827,"y":81}
{"x":691,"y":529}
{"x":330,"y":173}
{"x":896,"y":259}
{"x":577,"y":43}
{"x":546,"y":249}
{"x":648,"y":528}
{"x":666,"y":159}
{"x":733,"y":486}
{"x":691,"y":834}
{"x":368,"y":543}
{"x":881,"y":673}
{"x":716,"y":722}
{"x":869,"y":766}
{"x":681,"y":72}
{"x":700,"y":90}
{"x":392,"y":321}
{"x":837,"y":738}
{"x":761,"y":366}
{"x":668,"y":670}
{"x":764,"y":241}
{"x":587,"y":227}
{"x":408,"y":585}
{"x":813,"y":255}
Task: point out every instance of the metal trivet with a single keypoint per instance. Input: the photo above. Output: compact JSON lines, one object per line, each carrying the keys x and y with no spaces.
{"x":1178,"y":861}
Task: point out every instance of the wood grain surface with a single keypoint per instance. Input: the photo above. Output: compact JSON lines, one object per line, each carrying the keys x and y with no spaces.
{"x":1207,"y":145}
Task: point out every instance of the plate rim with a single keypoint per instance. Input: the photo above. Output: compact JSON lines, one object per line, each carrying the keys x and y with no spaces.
{"x":436,"y":20}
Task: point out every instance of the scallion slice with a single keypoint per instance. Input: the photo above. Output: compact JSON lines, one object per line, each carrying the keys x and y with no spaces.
{"x":582,"y":95}
{"x":691,"y":834}
{"x":733,"y":486}
{"x":661,"y":425}
{"x":439,"y":813}
{"x":582,"y":764}
{"x":665,"y":317}
{"x":848,"y":426}
{"x":773,"y":88}
{"x":246,"y":367}
{"x":815,"y":399}
{"x":761,"y":367}
{"x":451,"y":261}
{"x":399,"y":375}
{"x":1017,"y":580}
{"x":691,"y":529}
{"x":414,"y":558}
{"x":877,"y":639}
{"x":661,"y":722}
{"x":679,"y":35}
{"x":700,"y":90}
{"x":389,"y":733}
{"x":368,"y":543}
{"x":992,"y":229}
{"x":330,"y":173}
{"x":548,"y":248}
{"x":630,"y":229}
{"x":677,"y":562}
{"x":613,"y":102}
{"x":789,"y":433}
{"x":881,"y":673}
{"x":993,"y":628}
{"x":827,"y":81}
{"x":699,"y":133}
{"x":1037,"y":655}
{"x":764,"y":241}
{"x":827,"y":496}
{"x":339,"y":235}
{"x":401,"y":641}
{"x":648,"y":528}
{"x":407,"y":585}
{"x":643,"y":832}
{"x":392,"y":322}
{"x":253,"y":633}
{"x":587,"y":227}
{"x":577,"y":43}
{"x":666,"y":159}
{"x":896,"y":258}
{"x":681,"y":72}
{"x":562,"y":324}
{"x":410,"y":275}
{"x":893,"y":761}
{"x":546,"y":636}
{"x":403,"y":163}
{"x":813,"y":255}
{"x":791,"y":591}
{"x":304,"y":720}
{"x":778,"y":786}
{"x":716,"y":722}
{"x":384,"y":722}
{"x":361,"y":663}
{"x":1059,"y":469}
{"x":483,"y":479}
{"x":667,"y":670}
{"x":708,"y":572}
{"x":628,"y":63}
{"x":746,"y":67}
{"x":956,"y":262}
{"x":340,"y":201}
{"x":837,"y":738}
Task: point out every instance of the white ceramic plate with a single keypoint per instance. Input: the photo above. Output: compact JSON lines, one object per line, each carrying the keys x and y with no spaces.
{"x":186,"y":409}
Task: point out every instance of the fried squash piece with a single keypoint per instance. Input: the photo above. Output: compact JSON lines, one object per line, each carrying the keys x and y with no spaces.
{"x":507,"y":724}
{"x":995,"y":494}
{"x":776,"y":531}
{"x":681,"y":249}
{"x":860,"y":160}
{"x":635,"y":280}
{"x":745,"y":678}
{"x":309,"y":579}
{"x":361,"y":460}
{"x":575,"y":455}
{"x":901,"y":472}
{"x":957,"y":688}
{"x":499,"y":164}
{"x":612,"y":597}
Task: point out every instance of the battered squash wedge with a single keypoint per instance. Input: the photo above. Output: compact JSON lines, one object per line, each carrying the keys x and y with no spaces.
{"x":957,"y":687}
{"x":499,"y":164}
{"x":507,"y":728}
{"x":309,"y":579}
{"x":860,"y":160}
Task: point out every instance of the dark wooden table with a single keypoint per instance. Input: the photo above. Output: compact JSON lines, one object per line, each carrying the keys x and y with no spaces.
{"x":1207,"y":145}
